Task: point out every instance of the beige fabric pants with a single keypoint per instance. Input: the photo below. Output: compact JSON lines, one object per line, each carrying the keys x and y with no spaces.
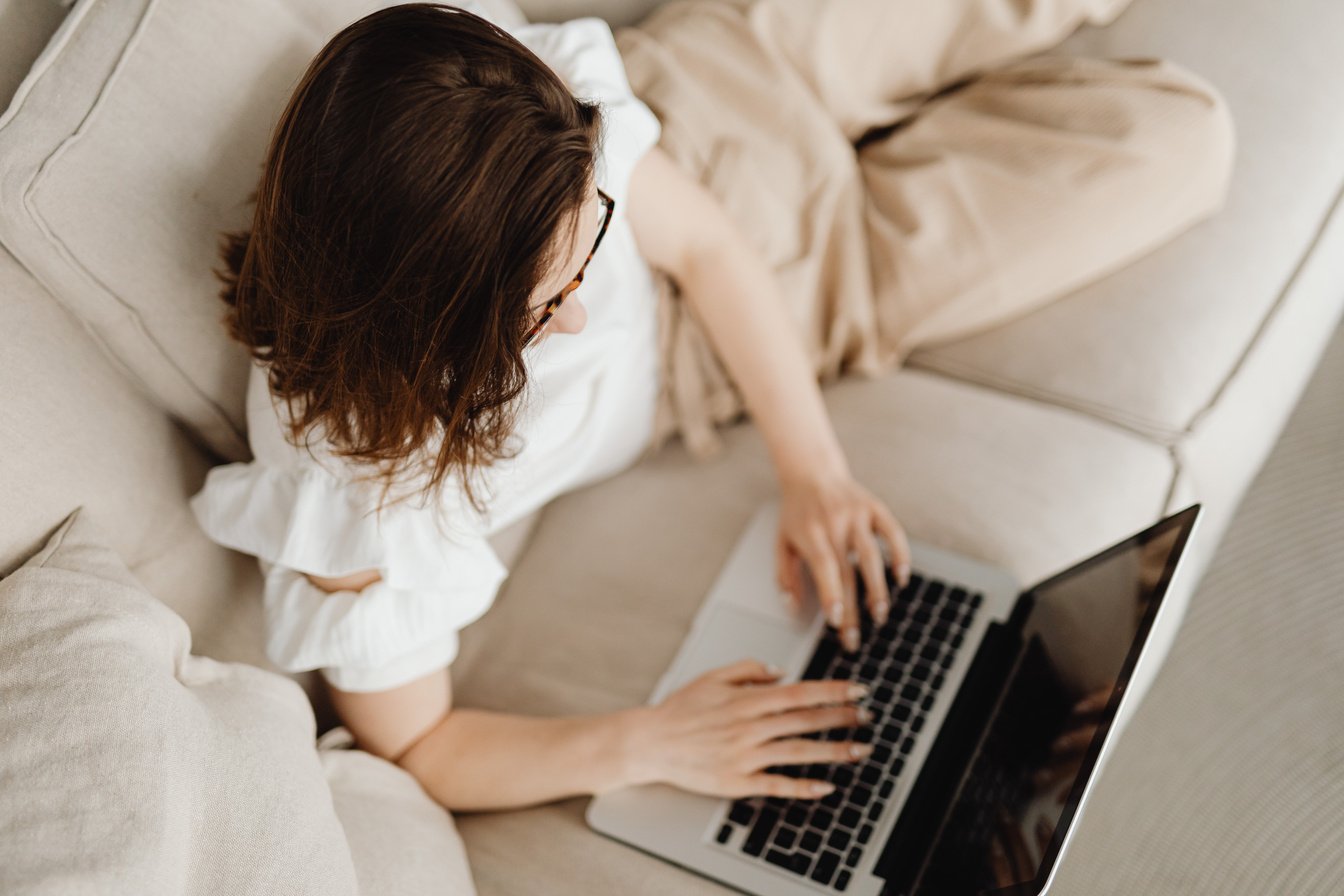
{"x":910,"y":170}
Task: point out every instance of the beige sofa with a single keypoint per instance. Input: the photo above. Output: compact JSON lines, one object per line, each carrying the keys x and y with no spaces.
{"x":134,"y":135}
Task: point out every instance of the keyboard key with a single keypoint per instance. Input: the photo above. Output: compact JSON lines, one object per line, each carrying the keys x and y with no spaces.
{"x":902,"y":656}
{"x":741,"y":813}
{"x":887,"y":787}
{"x":937,"y":682}
{"x":917,"y":723}
{"x":841,"y":881}
{"x":875,"y":810}
{"x":975,"y":599}
{"x":860,"y":796}
{"x":724,"y":833}
{"x":850,"y":817}
{"x":956,"y":640}
{"x":900,"y":712}
{"x":907,"y":745}
{"x":883,"y":695}
{"x":760,"y":832}
{"x":929,"y":652}
{"x":842,"y":776}
{"x":833,"y":799}
{"x":839,"y":839}
{"x":934,"y":591}
{"x":810,"y":842}
{"x":946,"y":661}
{"x":870,"y":775}
{"x":940,"y":632}
{"x":853,"y":858}
{"x":922,"y":613}
{"x":826,"y":866}
{"x":782,"y":859}
{"x":910,"y":692}
{"x":864,"y":834}
{"x":896,"y":767}
{"x":785,"y":837}
{"x":881,"y":753}
{"x":957,"y":595}
{"x":927,"y":703}
{"x":949,"y":613}
{"x":892,"y":733}
{"x":821,"y":819}
{"x":920,"y":672}
{"x":868,"y":671}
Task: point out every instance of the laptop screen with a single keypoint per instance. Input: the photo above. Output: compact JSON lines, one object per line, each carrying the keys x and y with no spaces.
{"x":1081,"y":641}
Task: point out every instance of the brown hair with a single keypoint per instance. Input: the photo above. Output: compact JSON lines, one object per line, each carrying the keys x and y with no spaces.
{"x":415,"y":188}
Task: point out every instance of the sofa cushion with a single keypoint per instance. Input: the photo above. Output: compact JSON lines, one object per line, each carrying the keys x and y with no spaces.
{"x":73,"y":432}
{"x":130,"y":765}
{"x":1152,"y":346}
{"x":401,"y":840}
{"x":135,"y":139}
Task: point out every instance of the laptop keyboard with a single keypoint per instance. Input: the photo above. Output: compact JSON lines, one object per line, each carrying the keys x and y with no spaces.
{"x":903,"y":663}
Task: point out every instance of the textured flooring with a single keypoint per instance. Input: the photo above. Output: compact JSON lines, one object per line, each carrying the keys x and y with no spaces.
{"x":1230,"y":778}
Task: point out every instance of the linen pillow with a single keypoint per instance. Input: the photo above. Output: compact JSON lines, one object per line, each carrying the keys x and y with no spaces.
{"x":134,"y":140}
{"x":127,"y":765}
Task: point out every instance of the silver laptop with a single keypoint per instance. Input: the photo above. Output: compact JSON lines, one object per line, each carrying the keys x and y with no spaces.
{"x":993,"y":709}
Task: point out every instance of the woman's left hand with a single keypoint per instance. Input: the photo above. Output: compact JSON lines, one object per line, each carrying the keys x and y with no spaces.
{"x":822,"y":520}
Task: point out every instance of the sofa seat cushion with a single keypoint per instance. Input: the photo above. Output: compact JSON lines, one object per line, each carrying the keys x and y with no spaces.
{"x":596,"y":608}
{"x":133,"y":142}
{"x":1152,"y":346}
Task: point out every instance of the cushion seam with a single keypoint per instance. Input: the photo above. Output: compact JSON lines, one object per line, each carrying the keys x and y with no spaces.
{"x":969,"y":373}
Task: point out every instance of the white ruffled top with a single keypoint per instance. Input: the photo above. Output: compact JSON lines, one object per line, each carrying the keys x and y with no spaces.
{"x":586,"y":414}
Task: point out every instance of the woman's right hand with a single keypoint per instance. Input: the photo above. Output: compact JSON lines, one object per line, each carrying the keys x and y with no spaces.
{"x":716,"y":734}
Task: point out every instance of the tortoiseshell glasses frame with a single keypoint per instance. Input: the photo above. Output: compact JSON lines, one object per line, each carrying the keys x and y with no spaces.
{"x":553,"y":304}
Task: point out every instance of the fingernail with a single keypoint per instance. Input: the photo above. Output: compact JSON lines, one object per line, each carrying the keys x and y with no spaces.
{"x":851,"y":638}
{"x":903,"y":574}
{"x":865,"y":715}
{"x":858,"y":751}
{"x":858,"y":691}
{"x":883,"y":609}
{"x":772,"y":669}
{"x":821,"y":788}
{"x":837,"y":614}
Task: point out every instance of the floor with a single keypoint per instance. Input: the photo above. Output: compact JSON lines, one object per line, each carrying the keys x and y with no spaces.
{"x":1230,"y":779}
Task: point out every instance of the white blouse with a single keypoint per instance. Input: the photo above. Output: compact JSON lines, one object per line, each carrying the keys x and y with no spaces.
{"x":586,"y":414}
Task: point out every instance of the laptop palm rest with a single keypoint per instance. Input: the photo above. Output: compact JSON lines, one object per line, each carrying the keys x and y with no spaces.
{"x":724,"y":633}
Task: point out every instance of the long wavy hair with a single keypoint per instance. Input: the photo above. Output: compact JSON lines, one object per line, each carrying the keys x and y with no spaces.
{"x":414,"y":196}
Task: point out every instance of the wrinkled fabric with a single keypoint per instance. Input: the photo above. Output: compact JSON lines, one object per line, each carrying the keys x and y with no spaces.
{"x":911,"y":171}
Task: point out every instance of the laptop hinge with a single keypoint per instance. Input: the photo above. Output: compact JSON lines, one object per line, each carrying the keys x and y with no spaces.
{"x":931,"y":799}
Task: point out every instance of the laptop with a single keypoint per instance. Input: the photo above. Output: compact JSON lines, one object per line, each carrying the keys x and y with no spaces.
{"x":993,"y":708}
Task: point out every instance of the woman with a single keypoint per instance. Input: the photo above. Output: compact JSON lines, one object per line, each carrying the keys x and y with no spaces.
{"x":441,"y":201}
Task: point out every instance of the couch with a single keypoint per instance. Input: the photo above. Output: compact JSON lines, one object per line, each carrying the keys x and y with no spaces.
{"x":133,"y":134}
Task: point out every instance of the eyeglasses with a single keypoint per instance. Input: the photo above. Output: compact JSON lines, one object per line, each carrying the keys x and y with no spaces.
{"x":609,"y":206}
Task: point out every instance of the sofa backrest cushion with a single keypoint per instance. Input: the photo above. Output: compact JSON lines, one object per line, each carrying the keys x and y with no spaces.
{"x":136,"y":139}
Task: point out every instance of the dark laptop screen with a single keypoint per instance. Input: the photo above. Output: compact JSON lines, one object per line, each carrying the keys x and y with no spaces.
{"x":1081,"y":641}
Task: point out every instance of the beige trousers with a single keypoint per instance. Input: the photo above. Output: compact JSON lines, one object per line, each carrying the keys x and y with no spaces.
{"x":910,"y":170}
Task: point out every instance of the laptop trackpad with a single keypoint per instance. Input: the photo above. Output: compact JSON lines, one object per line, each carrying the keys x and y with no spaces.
{"x":726,"y":634}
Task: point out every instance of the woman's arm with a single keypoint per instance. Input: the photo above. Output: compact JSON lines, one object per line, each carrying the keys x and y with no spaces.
{"x":714,"y":736}
{"x":681,"y":228}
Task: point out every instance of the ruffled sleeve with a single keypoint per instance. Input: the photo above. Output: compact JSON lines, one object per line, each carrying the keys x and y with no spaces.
{"x":296,"y":516}
{"x":583,"y":52}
